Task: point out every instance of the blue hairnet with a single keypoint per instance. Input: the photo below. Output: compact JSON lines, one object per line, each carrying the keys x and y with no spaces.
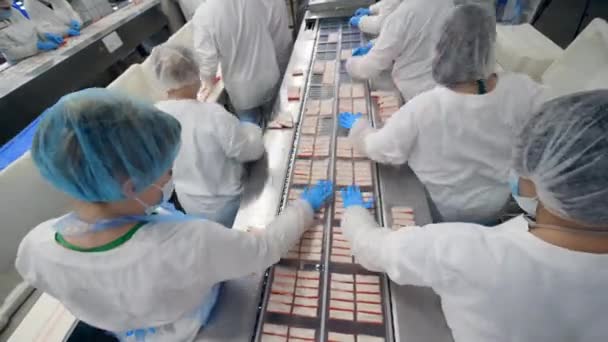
{"x":465,"y":50}
{"x":91,"y":142}
{"x":563,"y":149}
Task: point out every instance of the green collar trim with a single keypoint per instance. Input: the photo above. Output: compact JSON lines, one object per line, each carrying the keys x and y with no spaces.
{"x":103,"y":248}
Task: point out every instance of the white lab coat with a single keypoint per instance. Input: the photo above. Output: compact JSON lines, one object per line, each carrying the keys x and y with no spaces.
{"x":459,"y":145}
{"x":372,"y":24}
{"x":54,"y":20}
{"x":499,"y":284}
{"x":18,"y":37}
{"x":235,"y":34}
{"x":158,"y":278}
{"x":278,"y":26}
{"x":406,"y":44}
{"x":208,"y":170}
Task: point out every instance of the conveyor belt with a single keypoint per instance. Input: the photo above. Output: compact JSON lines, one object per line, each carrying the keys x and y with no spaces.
{"x":318,"y":292}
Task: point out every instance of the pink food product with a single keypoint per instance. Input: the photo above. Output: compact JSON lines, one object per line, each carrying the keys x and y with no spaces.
{"x":345,"y":54}
{"x":345,"y":90}
{"x":293,"y":93}
{"x":318,"y":68}
{"x":327,"y":107}
{"x":345,"y":105}
{"x":358,"y":90}
{"x":360,"y":106}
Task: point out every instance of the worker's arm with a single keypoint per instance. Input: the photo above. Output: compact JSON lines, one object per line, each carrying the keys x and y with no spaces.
{"x":386,"y":50}
{"x":407,"y":256}
{"x":206,"y":51}
{"x":230,"y":253}
{"x":242,"y":141}
{"x":371,"y":24}
{"x":392,"y":143}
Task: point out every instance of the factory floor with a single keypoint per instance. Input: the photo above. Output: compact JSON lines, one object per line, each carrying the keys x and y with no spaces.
{"x":560,"y":19}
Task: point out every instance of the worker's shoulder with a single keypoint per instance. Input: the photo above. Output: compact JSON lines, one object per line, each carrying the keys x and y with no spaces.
{"x":42,"y":234}
{"x":513,"y":81}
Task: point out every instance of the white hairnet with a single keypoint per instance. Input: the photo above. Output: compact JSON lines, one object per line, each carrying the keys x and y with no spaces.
{"x":175,"y":66}
{"x":465,"y":51}
{"x":563,"y":149}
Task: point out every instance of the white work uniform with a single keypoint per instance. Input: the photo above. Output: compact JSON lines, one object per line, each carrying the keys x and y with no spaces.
{"x":459,"y":145}
{"x":18,"y":37}
{"x":208,"y":170}
{"x":406,"y":44}
{"x":372,"y":24}
{"x":278,"y":26}
{"x":235,"y":34}
{"x":158,"y":278}
{"x":54,"y":20}
{"x":499,"y":284}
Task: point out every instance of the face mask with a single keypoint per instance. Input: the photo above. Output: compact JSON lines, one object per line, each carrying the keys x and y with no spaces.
{"x":528,"y":204}
{"x":166,"y":190}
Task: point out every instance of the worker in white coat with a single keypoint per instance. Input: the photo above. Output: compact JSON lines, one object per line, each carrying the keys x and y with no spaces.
{"x":278,"y":26}
{"x":457,"y":137}
{"x":208,"y":170}
{"x":20,"y":37}
{"x":405,"y":45}
{"x":234,"y":33}
{"x":370,"y":20}
{"x":114,"y":263}
{"x":54,"y":16}
{"x":523,"y":280}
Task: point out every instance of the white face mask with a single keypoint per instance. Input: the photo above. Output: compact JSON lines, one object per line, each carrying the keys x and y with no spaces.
{"x":166,"y":190}
{"x":528,"y":204}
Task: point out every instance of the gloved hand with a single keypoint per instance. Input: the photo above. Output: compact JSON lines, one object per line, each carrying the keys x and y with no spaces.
{"x":318,"y":194}
{"x":46,"y":45}
{"x":54,"y":38}
{"x":347,"y":119}
{"x":73,"y":32}
{"x":354,"y":21}
{"x":363,"y":50}
{"x":352,"y":197}
{"x":75,"y":24}
{"x":363,"y":11}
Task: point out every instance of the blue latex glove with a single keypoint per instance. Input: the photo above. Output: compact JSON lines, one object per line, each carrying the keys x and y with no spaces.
{"x":354,"y":21}
{"x":363,"y":11}
{"x":46,"y":45}
{"x":347,"y":119}
{"x":75,"y":24}
{"x":73,"y":32}
{"x":363,"y":50}
{"x":54,"y":38}
{"x":318,"y":194}
{"x":352,"y":197}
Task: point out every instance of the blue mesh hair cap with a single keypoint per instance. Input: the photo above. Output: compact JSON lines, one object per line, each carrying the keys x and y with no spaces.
{"x":92,"y":141}
{"x":563,"y":149}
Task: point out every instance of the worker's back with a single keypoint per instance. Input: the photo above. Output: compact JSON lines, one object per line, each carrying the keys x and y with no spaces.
{"x":415,"y":25}
{"x":244,"y":47}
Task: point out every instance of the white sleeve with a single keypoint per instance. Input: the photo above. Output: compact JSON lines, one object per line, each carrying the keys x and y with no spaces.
{"x":385,"y":51}
{"x":407,"y":256}
{"x":375,"y":8}
{"x":532,"y":96}
{"x":242,"y":141}
{"x":371,"y":24}
{"x":392,"y":143}
{"x":206,"y":51}
{"x":230,"y":253}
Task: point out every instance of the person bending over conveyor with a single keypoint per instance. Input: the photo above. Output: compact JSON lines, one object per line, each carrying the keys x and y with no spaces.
{"x":235,"y":34}
{"x":370,"y":20}
{"x":458,"y":137}
{"x":208,"y":170}
{"x":20,"y":37}
{"x":523,"y":280}
{"x":117,"y":262}
{"x":405,"y":46}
